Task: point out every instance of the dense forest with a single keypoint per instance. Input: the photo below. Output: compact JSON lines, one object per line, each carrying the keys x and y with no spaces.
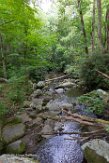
{"x":64,"y":37}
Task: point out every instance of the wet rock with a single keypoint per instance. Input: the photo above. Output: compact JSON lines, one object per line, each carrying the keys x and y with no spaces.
{"x":41,"y":84}
{"x":17,"y":147}
{"x":55,"y":106}
{"x":59,"y":91}
{"x":96,"y":151}
{"x":12,"y":132}
{"x":16,"y":159}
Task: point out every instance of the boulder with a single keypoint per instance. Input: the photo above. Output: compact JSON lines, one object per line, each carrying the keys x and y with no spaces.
{"x":67,"y":84}
{"x":104,"y":96}
{"x":16,"y":159}
{"x":48,"y":128}
{"x":12,"y":132}
{"x":55,"y":106}
{"x":17,"y":147}
{"x":36,"y":93}
{"x":96,"y":151}
{"x":40,"y":84}
{"x":59,"y":91}
{"x":24,"y":117}
{"x":37,"y":104}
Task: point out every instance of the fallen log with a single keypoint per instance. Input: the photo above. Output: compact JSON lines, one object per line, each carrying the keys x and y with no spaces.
{"x":3,"y":80}
{"x":57,"y":78}
{"x":79,"y":133}
{"x":102,"y":74}
{"x":83,"y":119}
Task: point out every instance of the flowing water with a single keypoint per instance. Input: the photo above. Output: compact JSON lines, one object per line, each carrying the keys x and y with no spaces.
{"x":62,"y":148}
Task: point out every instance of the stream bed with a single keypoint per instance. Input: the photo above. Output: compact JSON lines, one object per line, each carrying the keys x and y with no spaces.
{"x":62,"y":148}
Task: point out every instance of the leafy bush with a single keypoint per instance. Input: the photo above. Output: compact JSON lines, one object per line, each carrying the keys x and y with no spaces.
{"x":88,"y":71}
{"x":37,"y":73}
{"x":16,"y":91}
{"x":73,"y":71}
{"x":93,"y":102}
{"x":3,"y":110}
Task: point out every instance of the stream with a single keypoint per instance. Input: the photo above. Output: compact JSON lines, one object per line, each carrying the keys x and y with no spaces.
{"x":62,"y":148}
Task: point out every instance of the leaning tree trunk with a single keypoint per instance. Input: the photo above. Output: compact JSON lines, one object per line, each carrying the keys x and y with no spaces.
{"x":3,"y":58}
{"x":83,"y":25}
{"x":107,"y":29}
{"x":100,"y":44}
{"x":93,"y":27}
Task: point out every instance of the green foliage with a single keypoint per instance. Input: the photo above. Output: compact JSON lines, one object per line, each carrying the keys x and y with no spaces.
{"x":3,"y":110}
{"x":16,"y":92}
{"x":93,"y":102}
{"x":88,"y":71}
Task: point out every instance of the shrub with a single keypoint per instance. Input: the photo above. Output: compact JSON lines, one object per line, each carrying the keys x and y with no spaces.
{"x":3,"y":110}
{"x":16,"y":91}
{"x":37,"y":73}
{"x":93,"y":102}
{"x":88,"y":71}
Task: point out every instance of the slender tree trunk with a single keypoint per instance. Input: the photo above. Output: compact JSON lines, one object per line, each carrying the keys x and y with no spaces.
{"x":107,"y":29}
{"x":93,"y":27}
{"x":99,"y":25}
{"x":83,"y":26}
{"x":3,"y":58}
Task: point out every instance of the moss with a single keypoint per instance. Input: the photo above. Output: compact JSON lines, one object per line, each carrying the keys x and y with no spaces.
{"x":92,"y":157}
{"x":16,"y":149}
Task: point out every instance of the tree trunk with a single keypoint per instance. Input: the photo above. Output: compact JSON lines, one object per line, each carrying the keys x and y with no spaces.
{"x":3,"y":59}
{"x":93,"y":27}
{"x":99,"y":25}
{"x":83,"y":26}
{"x":107,"y":29}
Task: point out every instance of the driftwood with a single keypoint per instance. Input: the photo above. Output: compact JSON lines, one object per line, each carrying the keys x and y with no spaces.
{"x":102,"y":74}
{"x":57,"y":78}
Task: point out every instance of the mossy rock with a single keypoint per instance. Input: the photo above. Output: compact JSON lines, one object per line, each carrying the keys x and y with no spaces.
{"x":12,"y":132}
{"x":92,"y":157}
{"x":17,"y":147}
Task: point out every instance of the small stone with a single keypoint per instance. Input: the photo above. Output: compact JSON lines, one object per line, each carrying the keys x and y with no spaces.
{"x":26,"y":104}
{"x":37,"y":93}
{"x":41,"y":84}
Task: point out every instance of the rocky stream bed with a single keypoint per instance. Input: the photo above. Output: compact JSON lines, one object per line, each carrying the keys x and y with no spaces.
{"x":27,"y":132}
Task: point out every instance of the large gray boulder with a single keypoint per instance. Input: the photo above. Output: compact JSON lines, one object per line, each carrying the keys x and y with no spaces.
{"x":96,"y":151}
{"x":12,"y":132}
{"x":17,"y":147}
